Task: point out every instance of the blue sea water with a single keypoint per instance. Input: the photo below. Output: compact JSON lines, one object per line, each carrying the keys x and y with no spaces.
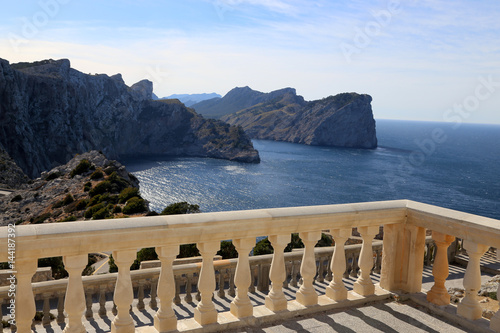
{"x":449,"y":165}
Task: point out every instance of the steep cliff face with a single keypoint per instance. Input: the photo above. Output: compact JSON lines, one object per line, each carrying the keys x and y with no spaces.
{"x":49,"y":112}
{"x":344,"y":120}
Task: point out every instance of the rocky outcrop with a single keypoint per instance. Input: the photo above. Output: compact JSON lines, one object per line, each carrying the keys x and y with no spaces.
{"x":237,"y":99}
{"x":62,"y":194}
{"x":11,"y":176}
{"x":49,"y":112}
{"x":344,"y":120}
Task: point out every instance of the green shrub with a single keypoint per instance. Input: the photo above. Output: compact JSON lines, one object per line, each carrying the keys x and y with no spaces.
{"x":263,"y":247}
{"x":180,"y":208}
{"x":110,"y":169}
{"x":128,"y":193}
{"x":53,"y":175}
{"x":112,"y":266}
{"x":108,"y":198}
{"x":147,"y":253}
{"x":188,"y":250}
{"x":68,"y":199}
{"x":56,"y":263}
{"x":93,"y":209}
{"x":16,"y":198}
{"x":117,"y":209}
{"x":227,"y":250}
{"x":117,"y":183}
{"x":58,"y":204}
{"x":40,"y":219}
{"x":98,"y":174}
{"x":81,"y":204}
{"x":134,"y":205}
{"x":101,"y":214}
{"x":82,"y":167}
{"x":100,"y":188}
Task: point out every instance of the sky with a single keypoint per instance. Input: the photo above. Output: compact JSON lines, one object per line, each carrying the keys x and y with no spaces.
{"x":418,"y":59}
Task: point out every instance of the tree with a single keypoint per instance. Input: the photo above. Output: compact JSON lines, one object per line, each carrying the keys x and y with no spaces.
{"x":180,"y":208}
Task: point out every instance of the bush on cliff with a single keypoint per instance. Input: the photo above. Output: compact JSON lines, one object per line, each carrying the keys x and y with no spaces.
{"x":128,"y":193}
{"x":134,"y":205}
{"x":81,"y":168}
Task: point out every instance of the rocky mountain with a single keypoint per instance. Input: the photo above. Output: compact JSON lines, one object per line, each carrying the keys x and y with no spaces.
{"x":344,"y":120}
{"x":191,"y":99}
{"x":89,"y":186}
{"x":11,"y":176}
{"x":49,"y":112}
{"x":235,"y":100}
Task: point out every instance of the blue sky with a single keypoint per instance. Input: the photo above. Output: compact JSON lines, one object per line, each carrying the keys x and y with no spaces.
{"x":419,"y":60}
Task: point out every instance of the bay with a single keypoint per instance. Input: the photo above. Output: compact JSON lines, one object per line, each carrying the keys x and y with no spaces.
{"x":449,"y":165}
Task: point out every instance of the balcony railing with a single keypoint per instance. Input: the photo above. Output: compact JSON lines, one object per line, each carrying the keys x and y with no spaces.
{"x":405,"y":224}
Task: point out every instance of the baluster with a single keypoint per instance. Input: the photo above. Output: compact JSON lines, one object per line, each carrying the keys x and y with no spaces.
{"x":348,"y":266}
{"x":74,"y":303}
{"x":177,"y":297}
{"x":438,"y":293}
{"x":288,"y":273}
{"x":189,"y":289}
{"x":88,"y":302}
{"x":364,"y":285}
{"x":354,"y":265}
{"x":321,"y":270}
{"x":102,"y":300}
{"x":24,"y":294}
{"x":154,"y":286}
{"x":241,"y":306}
{"x":336,"y":290}
{"x":275,"y":299}
{"x":46,"y":308}
{"x":60,"y":308}
{"x":205,"y":312}
{"x":140,"y":295}
{"x":469,"y":306}
{"x":378,"y":261}
{"x":293,"y":280}
{"x":329,"y":273}
{"x":306,"y":295}
{"x":124,"y":293}
{"x":252,"y":283}
{"x":222,"y":283}
{"x":495,"y":320}
{"x":114,"y":310}
{"x":165,"y":319}
{"x":232,"y":292}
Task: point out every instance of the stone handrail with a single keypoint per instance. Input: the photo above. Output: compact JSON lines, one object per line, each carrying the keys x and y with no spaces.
{"x":405,"y":223}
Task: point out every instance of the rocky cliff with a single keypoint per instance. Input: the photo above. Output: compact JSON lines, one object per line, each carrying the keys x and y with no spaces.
{"x":49,"y":112}
{"x":89,"y":186}
{"x":344,"y":120}
{"x":235,"y":100}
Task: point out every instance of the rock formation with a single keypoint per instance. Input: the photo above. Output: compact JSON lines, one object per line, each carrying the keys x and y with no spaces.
{"x":49,"y":112}
{"x":63,"y":194}
{"x":11,"y":176}
{"x":344,"y":120}
{"x":235,"y":100}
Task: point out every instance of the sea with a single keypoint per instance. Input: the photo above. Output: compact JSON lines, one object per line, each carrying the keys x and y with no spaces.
{"x":450,"y":165}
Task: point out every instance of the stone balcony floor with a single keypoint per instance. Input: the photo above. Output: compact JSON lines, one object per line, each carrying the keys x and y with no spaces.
{"x":379,"y":316}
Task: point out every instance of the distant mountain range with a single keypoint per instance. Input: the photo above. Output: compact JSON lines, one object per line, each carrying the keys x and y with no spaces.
{"x":190,"y":99}
{"x":343,"y":120}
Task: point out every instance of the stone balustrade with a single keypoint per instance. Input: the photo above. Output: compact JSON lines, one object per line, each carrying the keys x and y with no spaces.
{"x":401,"y":264}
